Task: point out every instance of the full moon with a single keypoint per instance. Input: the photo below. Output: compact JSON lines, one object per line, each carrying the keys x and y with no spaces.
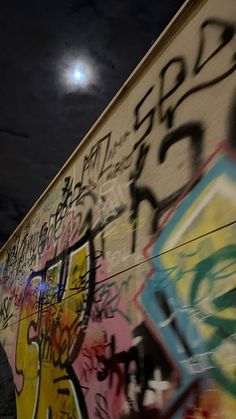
{"x":77,"y":73}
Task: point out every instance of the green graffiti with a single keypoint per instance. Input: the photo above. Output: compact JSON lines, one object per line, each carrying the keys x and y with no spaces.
{"x":206,"y":270}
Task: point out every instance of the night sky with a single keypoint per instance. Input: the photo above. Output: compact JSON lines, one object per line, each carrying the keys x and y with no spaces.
{"x":43,"y":116}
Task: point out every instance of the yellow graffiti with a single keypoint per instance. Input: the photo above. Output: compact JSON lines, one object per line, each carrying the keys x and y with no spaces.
{"x":206,"y":213}
{"x":48,"y":337}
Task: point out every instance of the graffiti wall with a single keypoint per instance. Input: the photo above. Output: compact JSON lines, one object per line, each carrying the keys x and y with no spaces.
{"x":118,"y":292}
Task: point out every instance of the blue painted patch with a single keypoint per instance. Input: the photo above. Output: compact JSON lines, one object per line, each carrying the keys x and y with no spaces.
{"x":161,"y":301}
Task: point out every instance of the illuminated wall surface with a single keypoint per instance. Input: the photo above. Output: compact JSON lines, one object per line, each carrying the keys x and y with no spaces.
{"x":118,"y":292}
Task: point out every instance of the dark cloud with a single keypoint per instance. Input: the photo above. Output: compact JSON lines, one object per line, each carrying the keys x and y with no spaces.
{"x":42,"y":121}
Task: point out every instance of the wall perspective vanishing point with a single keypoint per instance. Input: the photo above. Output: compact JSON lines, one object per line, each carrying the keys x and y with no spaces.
{"x":118,"y":291}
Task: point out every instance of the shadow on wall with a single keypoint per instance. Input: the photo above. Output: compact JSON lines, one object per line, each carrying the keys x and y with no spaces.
{"x":7,"y":388}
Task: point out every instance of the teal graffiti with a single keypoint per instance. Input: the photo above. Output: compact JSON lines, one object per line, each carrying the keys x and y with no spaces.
{"x":224,"y":327}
